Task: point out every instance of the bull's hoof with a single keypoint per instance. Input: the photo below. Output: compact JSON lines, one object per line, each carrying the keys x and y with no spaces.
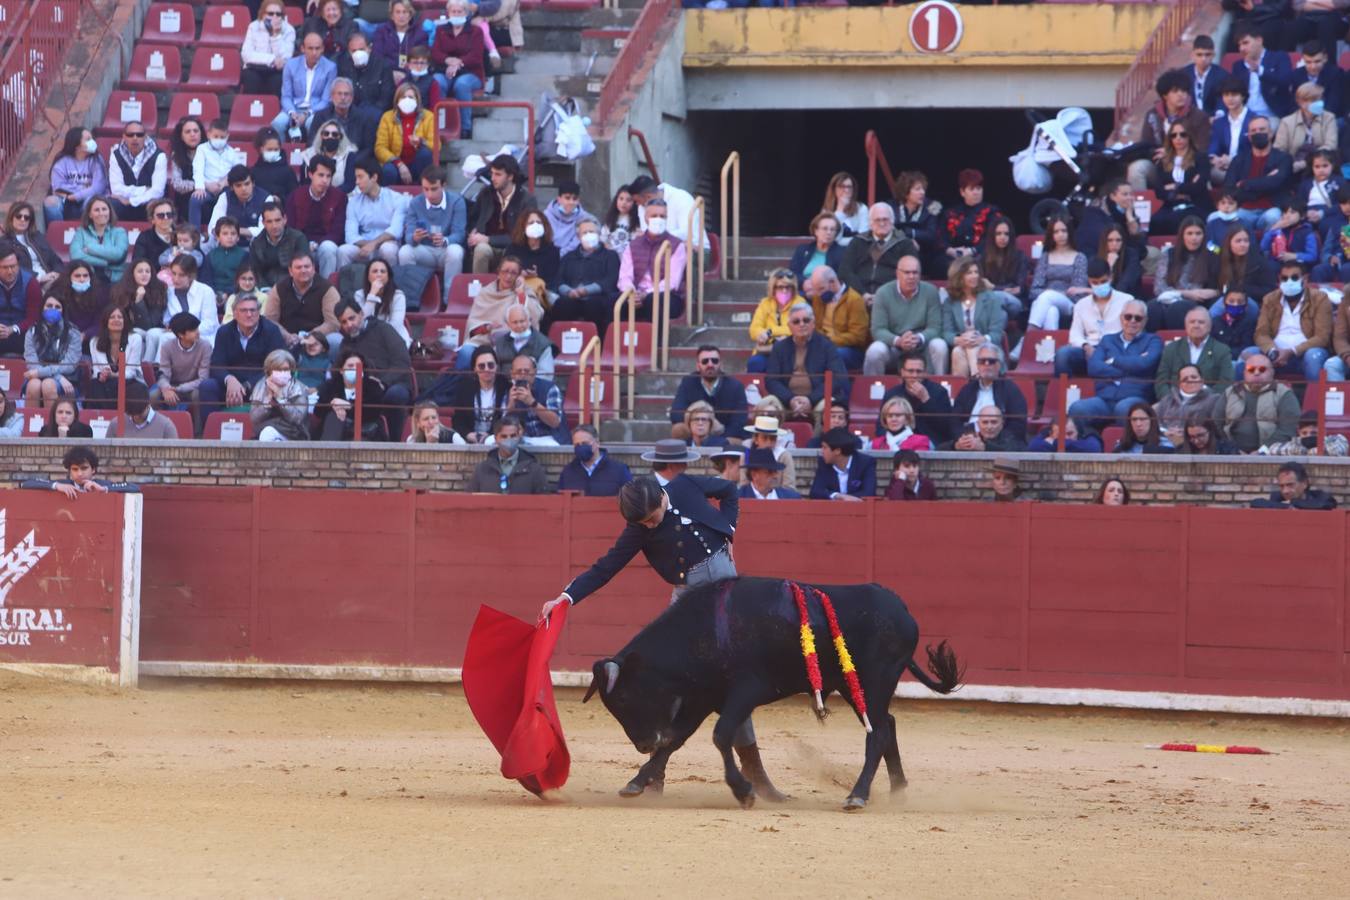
{"x":748,"y":801}
{"x":635,"y":788}
{"x":854,"y":804}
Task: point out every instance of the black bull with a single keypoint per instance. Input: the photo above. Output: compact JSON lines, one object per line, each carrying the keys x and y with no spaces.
{"x":735,"y":645}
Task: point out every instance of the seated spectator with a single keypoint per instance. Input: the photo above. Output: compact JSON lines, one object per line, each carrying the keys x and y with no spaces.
{"x":52,"y":350}
{"x":1060,"y":277}
{"x":1308,"y":129}
{"x":679,"y":207}
{"x":906,"y":321}
{"x":81,"y":464}
{"x":907,"y":481}
{"x":1142,"y":432}
{"x":727,"y":463}
{"x":372,"y":78}
{"x":269,"y":43}
{"x":374,"y":218}
{"x":100,"y":242}
{"x":1187,"y":396}
{"x":395,"y":39}
{"x":990,"y":388}
{"x":343,"y":131}
{"x":241,"y":348}
{"x":1182,"y":180}
{"x":829,"y":414}
{"x":245,"y":282}
{"x":81,"y":297}
{"x":987,"y":434}
{"x":319,"y":211}
{"x":708,"y":383}
{"x":842,"y":315}
{"x":1294,"y":327}
{"x":1094,"y":317}
{"x":1113,"y":492}
{"x":532,"y":244}
{"x":1241,"y":264}
{"x":184,"y":364}
{"x":1212,"y":358}
{"x":427,"y":427}
{"x":869,"y":261}
{"x":1187,"y":277}
{"x":1335,"y":256}
{"x":273,"y":174}
{"x":521,"y":337}
{"x":841,"y":201}
{"x":405,"y":138}
{"x":161,"y":237}
{"x":1305,"y":442}
{"x":964,"y":224}
{"x":336,"y":405}
{"x":1204,"y":437}
{"x":917,"y":220}
{"x":972,"y":315}
{"x":20,"y":300}
{"x":1267,"y":72}
{"x":1075,"y":441}
{"x":823,"y":250}
{"x":187,"y":294}
{"x":494,"y":215}
{"x":1224,"y":218}
{"x":763,"y":470}
{"x":276,"y":248}
{"x":1259,"y":411}
{"x":145,"y":300}
{"x":1004,"y":481}
{"x":537,"y":402}
{"x":592,"y":471}
{"x":490,"y":306}
{"x":114,"y":337}
{"x":930,"y":401}
{"x":279,"y":405}
{"x":564,"y":214}
{"x":188,"y":135}
{"x":620,"y":222}
{"x":1320,"y":191}
{"x":138,"y":173}
{"x":1124,"y":366}
{"x":769,"y":324}
{"x":225,"y":259}
{"x":700,"y":427}
{"x":187,"y":242}
{"x":1260,"y":177}
{"x":1205,"y":77}
{"x":1291,"y":237}
{"x":588,"y":282}
{"x":35,"y":254}
{"x":1123,"y":259}
{"x":1116,"y":205}
{"x":421,"y":77}
{"x":637,"y":265}
{"x":1004,"y":266}
{"x":384,"y":353}
{"x":1316,"y":67}
{"x":78,"y":176}
{"x":330,"y":22}
{"x":897,"y":421}
{"x":211,"y":164}
{"x":844,"y":472}
{"x":306,"y":85}
{"x":1228,"y":131}
{"x":143,"y":423}
{"x":1174,"y":111}
{"x":797,"y":364}
{"x":480,"y":399}
{"x":244,"y":203}
{"x":766,"y":434}
{"x":11,"y":420}
{"x":508,"y":469}
{"x":1293,"y":491}
{"x":458,"y":49}
{"x":63,"y":421}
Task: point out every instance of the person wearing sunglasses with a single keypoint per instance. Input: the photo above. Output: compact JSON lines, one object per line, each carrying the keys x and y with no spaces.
{"x":138,"y":173}
{"x":1124,"y":365}
{"x":1294,"y":327}
{"x":988,"y":390}
{"x":1260,"y":410}
{"x":797,"y":365}
{"x":1181,"y":182}
{"x":708,"y":383}
{"x":269,"y":43}
{"x":479,"y":398}
{"x":770,"y":321}
{"x":1176,"y":108}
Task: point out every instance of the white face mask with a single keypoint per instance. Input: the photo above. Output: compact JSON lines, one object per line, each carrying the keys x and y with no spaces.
{"x":272,"y":156}
{"x":534,"y":230}
{"x":590,"y":240}
{"x":407,"y":106}
{"x":91,"y":146}
{"x":219,"y":144}
{"x":657,"y":225}
{"x":360,"y":58}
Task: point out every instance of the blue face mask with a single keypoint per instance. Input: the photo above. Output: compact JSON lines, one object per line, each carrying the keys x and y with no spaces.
{"x":1102,"y":290}
{"x":1317,"y":107}
{"x":51,"y":316}
{"x":1235,"y":311}
{"x":583,"y":452}
{"x":458,"y":21}
{"x":80,"y":287}
{"x":349,"y":376}
{"x":1226,"y":216}
{"x":826,"y":296}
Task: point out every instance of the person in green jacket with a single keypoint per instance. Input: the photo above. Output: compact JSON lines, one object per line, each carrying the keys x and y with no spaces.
{"x":1213,"y":358}
{"x":906,"y":321}
{"x":100,"y":241}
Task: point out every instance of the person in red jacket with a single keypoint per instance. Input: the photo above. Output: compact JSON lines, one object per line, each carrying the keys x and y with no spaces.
{"x":458,"y":49}
{"x":319,"y":211}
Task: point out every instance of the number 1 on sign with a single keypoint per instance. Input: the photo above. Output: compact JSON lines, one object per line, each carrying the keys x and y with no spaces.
{"x":931,"y":17}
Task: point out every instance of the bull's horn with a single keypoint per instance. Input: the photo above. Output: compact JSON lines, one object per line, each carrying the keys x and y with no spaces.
{"x":611,"y":675}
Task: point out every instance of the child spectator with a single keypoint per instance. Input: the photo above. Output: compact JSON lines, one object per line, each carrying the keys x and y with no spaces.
{"x":210,"y":166}
{"x":564,"y":214}
{"x":225,"y":259}
{"x":420,"y":76}
{"x":143,"y":423}
{"x":187,"y":241}
{"x":245,"y":284}
{"x":1223,"y":218}
{"x":273,"y":175}
{"x":63,"y":421}
{"x":1335,"y":242}
{"x":313,"y":361}
{"x":1318,"y":192}
{"x":907,"y":481}
{"x":184,"y":363}
{"x":81,"y":465}
{"x":1291,"y":238}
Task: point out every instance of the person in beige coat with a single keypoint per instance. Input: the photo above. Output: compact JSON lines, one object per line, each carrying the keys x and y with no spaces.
{"x":1292,"y":136}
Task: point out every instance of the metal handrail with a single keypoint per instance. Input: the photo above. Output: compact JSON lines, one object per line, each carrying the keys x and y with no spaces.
{"x":587,"y":384}
{"x":661,"y":304}
{"x":624,"y":70}
{"x":875,"y":156}
{"x":628,"y":338}
{"x":696,"y":242}
{"x":646,"y":151}
{"x":121,"y":393}
{"x":527,"y":139}
{"x":733,"y":164}
{"x":1138,"y":78}
{"x":356,"y":402}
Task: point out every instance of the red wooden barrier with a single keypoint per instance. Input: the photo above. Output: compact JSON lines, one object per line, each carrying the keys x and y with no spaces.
{"x":1175,"y":599}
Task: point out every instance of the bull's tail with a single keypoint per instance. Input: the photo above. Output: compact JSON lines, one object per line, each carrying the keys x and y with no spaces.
{"x":947,"y":673}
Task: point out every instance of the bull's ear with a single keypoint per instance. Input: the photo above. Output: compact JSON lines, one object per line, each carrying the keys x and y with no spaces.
{"x":597,"y":678}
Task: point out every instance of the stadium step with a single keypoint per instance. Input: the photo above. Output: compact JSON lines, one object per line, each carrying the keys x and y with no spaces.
{"x":557,"y":63}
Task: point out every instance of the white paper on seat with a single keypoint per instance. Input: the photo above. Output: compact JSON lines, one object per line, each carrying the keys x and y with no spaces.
{"x":1045,"y":349}
{"x":232,"y":431}
{"x":571,"y":341}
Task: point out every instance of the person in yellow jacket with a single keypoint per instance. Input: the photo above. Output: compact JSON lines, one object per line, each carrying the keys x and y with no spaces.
{"x":770,"y":321}
{"x":405,"y":137}
{"x":841,"y":315}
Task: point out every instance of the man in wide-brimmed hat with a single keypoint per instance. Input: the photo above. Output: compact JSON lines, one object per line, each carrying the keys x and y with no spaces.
{"x":1004,"y":480}
{"x":763,"y":470}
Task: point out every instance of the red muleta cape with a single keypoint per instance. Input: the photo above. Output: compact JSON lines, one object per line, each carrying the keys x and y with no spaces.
{"x":510,"y":692}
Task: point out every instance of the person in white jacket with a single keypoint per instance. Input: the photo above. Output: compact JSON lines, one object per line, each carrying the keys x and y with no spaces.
{"x":268,"y":43}
{"x":190,"y":295}
{"x":1094,"y":317}
{"x":679,"y":203}
{"x":211,"y":166}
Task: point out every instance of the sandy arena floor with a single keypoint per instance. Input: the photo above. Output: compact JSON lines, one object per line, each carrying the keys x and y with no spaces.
{"x":250,"y":790}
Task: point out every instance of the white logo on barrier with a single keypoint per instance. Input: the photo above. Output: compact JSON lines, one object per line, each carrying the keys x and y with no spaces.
{"x":19,"y":560}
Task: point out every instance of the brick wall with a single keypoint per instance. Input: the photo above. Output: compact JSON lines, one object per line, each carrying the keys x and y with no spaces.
{"x":1156,"y":479}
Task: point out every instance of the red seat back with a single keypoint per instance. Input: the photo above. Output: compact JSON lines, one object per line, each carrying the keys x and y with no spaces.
{"x":619,"y":338}
{"x":170,"y":23}
{"x":1043,"y":344}
{"x":865,"y":396}
{"x":224,"y":25}
{"x":1055,"y":399}
{"x":216,"y":69}
{"x":59,"y":235}
{"x":573,"y":336}
{"x":211,"y":430}
{"x":251,"y":113}
{"x":126,"y":106}
{"x":1111,"y":436}
{"x":155,"y":67}
{"x":462,"y":291}
{"x":199,"y":104}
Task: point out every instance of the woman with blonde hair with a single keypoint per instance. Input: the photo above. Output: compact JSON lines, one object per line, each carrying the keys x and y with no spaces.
{"x":701,"y":428}
{"x":972,"y":315}
{"x":405,"y":137}
{"x":280,"y":401}
{"x":897,"y":428}
{"x":427,"y":427}
{"x":841,"y":199}
{"x":770,"y":322}
{"x":269,"y":42}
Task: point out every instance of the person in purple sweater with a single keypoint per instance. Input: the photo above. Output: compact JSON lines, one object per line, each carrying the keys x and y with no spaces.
{"x":77,"y":176}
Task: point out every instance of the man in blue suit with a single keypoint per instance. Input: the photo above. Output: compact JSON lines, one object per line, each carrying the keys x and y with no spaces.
{"x":1228,"y":131}
{"x":1124,"y":365}
{"x":844,"y":473}
{"x":762,"y":470}
{"x":1268,"y":74}
{"x":1203,"y":75}
{"x":306,"y":82}
{"x":1323,"y":72}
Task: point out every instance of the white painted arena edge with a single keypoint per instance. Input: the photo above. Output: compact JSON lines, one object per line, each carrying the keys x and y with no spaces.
{"x":129,"y":651}
{"x":1087,"y":697}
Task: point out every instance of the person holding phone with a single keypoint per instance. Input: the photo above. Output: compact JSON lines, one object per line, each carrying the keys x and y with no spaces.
{"x":269,"y":43}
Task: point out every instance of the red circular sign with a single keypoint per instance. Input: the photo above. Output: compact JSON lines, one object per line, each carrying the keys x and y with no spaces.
{"x":935,"y":27}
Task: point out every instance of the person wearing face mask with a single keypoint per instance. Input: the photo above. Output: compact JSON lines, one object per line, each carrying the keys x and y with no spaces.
{"x":77,"y":176}
{"x":458,"y":51}
{"x":371,"y":76}
{"x":385,"y":355}
{"x":1294,"y":327}
{"x":279,"y":406}
{"x":1259,"y":175}
{"x":1316,"y":67}
{"x":532,"y":243}
{"x":1094,"y":316}
{"x":639,"y":257}
{"x":508,"y":469}
{"x":1305,"y":442}
{"x":81,"y":296}
{"x":588,"y":282}
{"x":1234,"y":325}
{"x":1187,"y":396}
{"x":211,"y":166}
{"x":406,"y":134}
{"x":51,"y":348}
{"x":421,"y":76}
{"x":521,"y":337}
{"x":336,"y":404}
{"x":592,"y":472}
{"x":1124,"y":365}
{"x":273,"y":175}
{"x":770,"y":321}
{"x":1307,"y":129}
